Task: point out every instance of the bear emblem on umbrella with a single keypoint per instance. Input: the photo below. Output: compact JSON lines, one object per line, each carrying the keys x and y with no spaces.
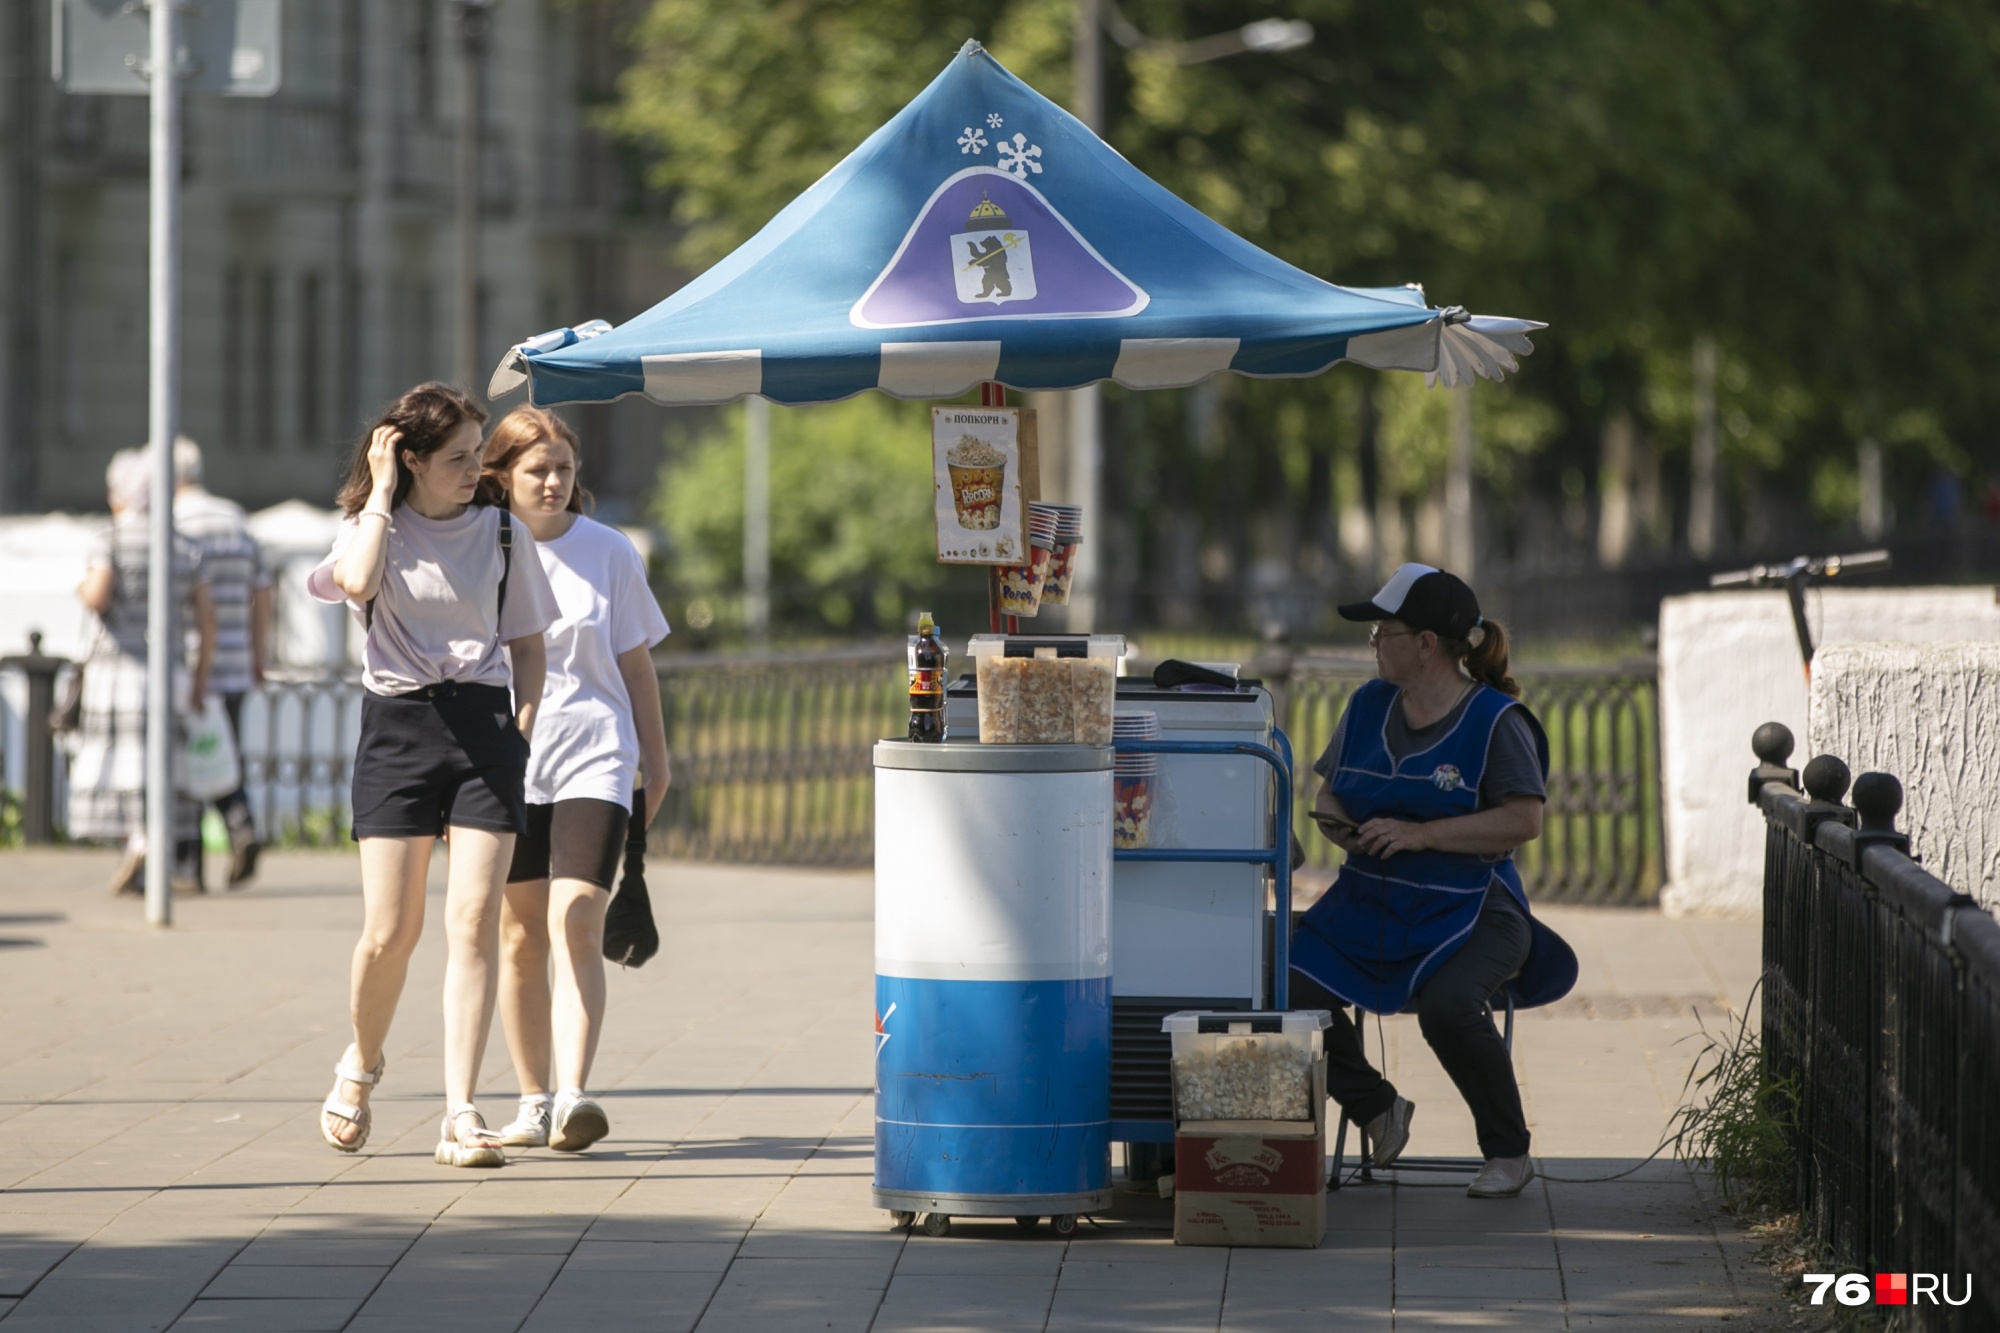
{"x":991,"y":259}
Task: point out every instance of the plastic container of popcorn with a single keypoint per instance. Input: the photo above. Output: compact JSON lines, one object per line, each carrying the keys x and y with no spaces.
{"x":1246,"y":1065}
{"x":1046,"y":689}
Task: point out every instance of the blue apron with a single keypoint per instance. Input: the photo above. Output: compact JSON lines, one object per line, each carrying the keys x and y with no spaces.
{"x":1385,"y":926}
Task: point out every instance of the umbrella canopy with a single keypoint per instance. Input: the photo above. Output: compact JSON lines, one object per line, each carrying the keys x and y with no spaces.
{"x":984,"y":233}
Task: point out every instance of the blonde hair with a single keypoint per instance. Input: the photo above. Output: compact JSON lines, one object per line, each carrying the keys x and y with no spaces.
{"x":519,"y":431}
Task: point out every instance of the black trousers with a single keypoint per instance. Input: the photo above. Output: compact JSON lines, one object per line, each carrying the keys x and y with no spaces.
{"x":1451,"y":1011}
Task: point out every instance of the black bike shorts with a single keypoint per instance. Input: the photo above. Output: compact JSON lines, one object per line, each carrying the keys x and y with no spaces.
{"x":582,"y":838}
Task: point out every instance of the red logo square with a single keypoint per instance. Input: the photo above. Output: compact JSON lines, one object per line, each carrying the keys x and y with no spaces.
{"x":1892,"y":1288}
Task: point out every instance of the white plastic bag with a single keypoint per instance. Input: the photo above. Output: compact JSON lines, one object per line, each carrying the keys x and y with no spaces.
{"x":212,"y":767}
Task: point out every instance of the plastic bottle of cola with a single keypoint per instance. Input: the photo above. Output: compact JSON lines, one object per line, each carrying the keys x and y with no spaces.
{"x":927,"y":673}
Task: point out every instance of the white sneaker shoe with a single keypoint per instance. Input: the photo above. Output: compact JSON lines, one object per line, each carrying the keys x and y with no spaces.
{"x":530,"y":1126}
{"x":579,"y":1122}
{"x":1501,"y":1178}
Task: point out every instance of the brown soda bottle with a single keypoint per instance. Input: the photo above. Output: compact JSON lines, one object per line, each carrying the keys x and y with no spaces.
{"x":927,"y":672}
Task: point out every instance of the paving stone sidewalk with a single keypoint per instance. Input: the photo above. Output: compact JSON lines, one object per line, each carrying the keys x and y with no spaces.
{"x":160,"y":1165}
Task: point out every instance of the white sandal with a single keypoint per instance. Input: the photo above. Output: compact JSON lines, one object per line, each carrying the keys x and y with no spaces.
{"x":459,"y":1146}
{"x":353,"y":1115}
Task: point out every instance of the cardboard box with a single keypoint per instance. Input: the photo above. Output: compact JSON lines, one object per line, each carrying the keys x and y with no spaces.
{"x":1252,"y":1182}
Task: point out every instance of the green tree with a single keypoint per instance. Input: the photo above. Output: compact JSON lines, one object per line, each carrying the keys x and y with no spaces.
{"x":1810,"y":183}
{"x":852,"y":548}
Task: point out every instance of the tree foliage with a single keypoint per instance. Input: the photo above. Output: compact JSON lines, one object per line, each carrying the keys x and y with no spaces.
{"x":1811,"y":182}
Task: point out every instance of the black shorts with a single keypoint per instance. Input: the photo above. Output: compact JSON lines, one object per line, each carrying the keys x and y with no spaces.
{"x":574,"y":839}
{"x":443,"y":755}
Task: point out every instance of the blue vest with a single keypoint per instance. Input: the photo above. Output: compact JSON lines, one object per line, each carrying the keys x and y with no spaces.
{"x":1385,"y":926}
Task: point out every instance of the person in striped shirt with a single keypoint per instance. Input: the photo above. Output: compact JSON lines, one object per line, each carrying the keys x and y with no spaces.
{"x":240,"y":584}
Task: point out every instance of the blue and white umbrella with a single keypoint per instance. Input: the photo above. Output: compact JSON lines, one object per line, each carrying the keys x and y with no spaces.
{"x":984,"y":233}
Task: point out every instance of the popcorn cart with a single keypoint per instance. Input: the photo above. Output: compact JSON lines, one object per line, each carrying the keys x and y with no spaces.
{"x":923,"y":267}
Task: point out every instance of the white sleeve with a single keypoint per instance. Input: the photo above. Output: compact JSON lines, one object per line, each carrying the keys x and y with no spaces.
{"x":320,"y":582}
{"x":636,"y":618}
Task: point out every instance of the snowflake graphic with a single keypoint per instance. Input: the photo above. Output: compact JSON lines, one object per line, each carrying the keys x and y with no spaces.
{"x":1018,"y":157}
{"x":972,"y":141}
{"x":993,"y":120}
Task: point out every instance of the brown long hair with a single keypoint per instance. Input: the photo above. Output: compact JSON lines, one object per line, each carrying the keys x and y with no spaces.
{"x":519,"y":431}
{"x":427,"y":416}
{"x":1487,"y":660}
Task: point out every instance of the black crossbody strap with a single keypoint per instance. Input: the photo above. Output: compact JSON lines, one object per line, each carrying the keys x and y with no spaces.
{"x":506,"y":565}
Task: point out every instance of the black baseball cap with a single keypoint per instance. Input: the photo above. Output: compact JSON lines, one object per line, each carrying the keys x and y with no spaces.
{"x":1424,"y":599}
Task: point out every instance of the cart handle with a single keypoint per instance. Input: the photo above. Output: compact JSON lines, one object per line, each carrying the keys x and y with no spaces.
{"x":1278,"y":856}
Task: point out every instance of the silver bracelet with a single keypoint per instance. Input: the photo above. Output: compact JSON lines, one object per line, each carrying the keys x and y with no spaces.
{"x":382,"y":514}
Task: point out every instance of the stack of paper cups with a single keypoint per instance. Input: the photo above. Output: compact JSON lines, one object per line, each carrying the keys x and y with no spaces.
{"x":1021,"y":585}
{"x":1132,"y":779}
{"x":1062,"y":560}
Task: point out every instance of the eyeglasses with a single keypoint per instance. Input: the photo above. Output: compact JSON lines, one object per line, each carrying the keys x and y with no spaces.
{"x":1375,"y":635}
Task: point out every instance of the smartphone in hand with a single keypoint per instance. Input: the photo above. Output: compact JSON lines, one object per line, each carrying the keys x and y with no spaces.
{"x":1332,"y":817}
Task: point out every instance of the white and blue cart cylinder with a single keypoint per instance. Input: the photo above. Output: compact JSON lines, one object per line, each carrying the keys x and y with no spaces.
{"x":992,"y":979}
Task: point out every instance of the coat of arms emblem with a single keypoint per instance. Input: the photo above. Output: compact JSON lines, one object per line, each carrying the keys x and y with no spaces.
{"x":991,"y":261}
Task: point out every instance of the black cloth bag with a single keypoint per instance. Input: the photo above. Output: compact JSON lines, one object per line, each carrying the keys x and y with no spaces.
{"x":630,"y":937}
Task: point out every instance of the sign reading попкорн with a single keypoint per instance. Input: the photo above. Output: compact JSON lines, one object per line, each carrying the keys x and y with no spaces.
{"x":983,"y":467}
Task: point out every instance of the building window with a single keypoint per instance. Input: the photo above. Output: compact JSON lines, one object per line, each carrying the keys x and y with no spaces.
{"x":232,"y":360}
{"x":312,"y":364}
{"x":264,"y":359}
{"x":423,"y":65}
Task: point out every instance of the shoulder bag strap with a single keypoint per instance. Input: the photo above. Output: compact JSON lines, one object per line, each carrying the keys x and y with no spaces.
{"x":506,"y":566}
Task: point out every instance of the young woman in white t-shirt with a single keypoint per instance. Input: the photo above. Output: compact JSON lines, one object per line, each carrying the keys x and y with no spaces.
{"x":453,"y":595}
{"x":598,"y":728}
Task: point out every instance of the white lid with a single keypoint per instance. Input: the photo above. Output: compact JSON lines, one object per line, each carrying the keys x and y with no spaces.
{"x":1259,"y":1021}
{"x":1066,"y":645}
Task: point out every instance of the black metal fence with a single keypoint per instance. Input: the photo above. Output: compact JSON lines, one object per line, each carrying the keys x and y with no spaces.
{"x":1881,"y":1008}
{"x":772,"y":755}
{"x":771,"y":760}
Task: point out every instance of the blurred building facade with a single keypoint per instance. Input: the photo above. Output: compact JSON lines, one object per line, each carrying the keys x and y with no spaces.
{"x":318,"y":259}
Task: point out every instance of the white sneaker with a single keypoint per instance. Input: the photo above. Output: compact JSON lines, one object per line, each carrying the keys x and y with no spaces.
{"x":1501,"y":1178}
{"x":530,"y":1126}
{"x":579,"y":1122}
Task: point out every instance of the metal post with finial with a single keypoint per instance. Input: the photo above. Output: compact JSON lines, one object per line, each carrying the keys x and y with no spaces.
{"x":1877,"y":799}
{"x":1826,"y":779}
{"x":1772,"y":744}
{"x":38,"y":806}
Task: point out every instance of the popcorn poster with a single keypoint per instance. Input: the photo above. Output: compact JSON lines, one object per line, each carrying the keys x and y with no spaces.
{"x":983,"y":467}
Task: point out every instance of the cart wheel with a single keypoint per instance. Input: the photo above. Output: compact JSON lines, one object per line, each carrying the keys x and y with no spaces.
{"x":1064,"y":1224}
{"x":1027,"y":1223}
{"x":898,"y":1219}
{"x":937,"y":1224}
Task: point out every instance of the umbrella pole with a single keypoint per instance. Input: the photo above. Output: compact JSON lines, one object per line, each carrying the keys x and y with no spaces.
{"x":992,"y":393}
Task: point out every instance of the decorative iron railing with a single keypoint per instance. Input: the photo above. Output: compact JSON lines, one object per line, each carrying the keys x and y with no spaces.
{"x":772,"y":755}
{"x":771,"y":761}
{"x":1881,"y":1008}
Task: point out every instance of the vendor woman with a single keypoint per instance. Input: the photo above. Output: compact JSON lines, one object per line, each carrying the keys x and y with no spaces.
{"x":1435,"y":774}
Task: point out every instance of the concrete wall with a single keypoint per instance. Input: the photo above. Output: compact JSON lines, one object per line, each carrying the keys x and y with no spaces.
{"x":1729,"y":662}
{"x":1929,"y":713}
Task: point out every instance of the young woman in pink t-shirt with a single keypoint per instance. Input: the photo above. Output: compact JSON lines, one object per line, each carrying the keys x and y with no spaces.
{"x":455,"y":603}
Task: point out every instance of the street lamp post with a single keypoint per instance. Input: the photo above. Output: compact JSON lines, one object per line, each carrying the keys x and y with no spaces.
{"x":473,"y":20}
{"x":163,"y":422}
{"x":1093,"y":19}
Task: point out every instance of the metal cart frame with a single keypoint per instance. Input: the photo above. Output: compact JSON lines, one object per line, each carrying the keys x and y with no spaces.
{"x":1278,"y":856}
